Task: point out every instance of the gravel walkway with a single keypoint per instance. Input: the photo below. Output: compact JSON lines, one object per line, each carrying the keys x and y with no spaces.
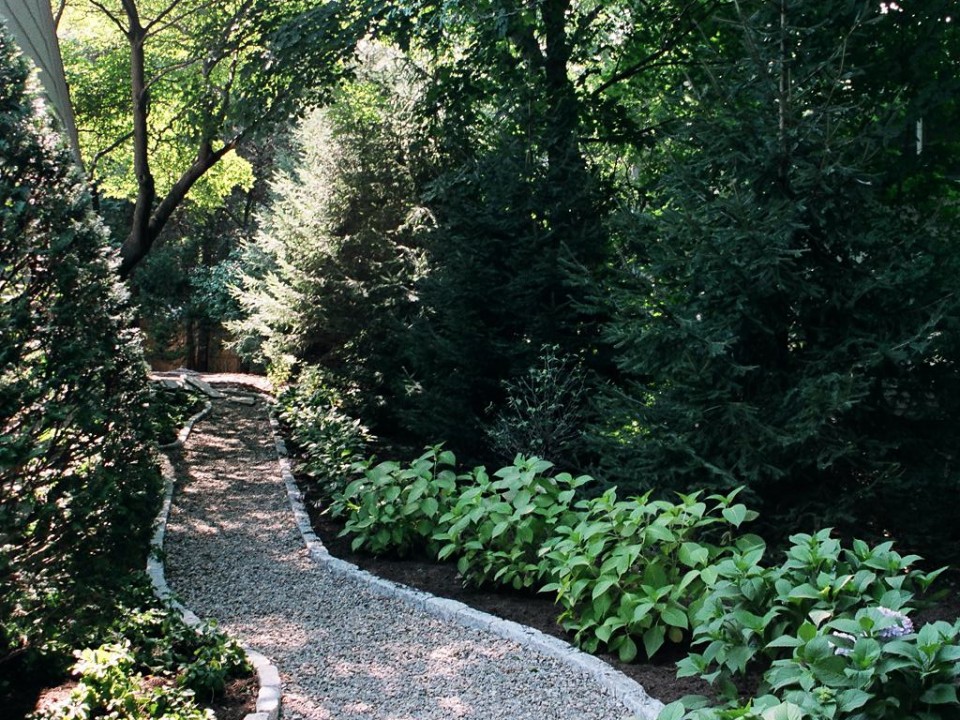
{"x":235,"y":554}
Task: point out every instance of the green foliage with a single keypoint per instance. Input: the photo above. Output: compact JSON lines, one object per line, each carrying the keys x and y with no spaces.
{"x":497,"y":527}
{"x":182,"y":289}
{"x":168,"y":411}
{"x":396,"y":509}
{"x":495,"y":293}
{"x":864,"y":667}
{"x":330,"y":440}
{"x":750,"y":607}
{"x":78,"y":483}
{"x":633,"y":570}
{"x":153,"y":666}
{"x":329,"y":277}
{"x":785,"y":310}
{"x":219,"y":74}
{"x":108,"y":684}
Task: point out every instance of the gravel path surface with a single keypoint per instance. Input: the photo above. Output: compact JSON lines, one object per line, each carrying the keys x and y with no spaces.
{"x":235,"y":554}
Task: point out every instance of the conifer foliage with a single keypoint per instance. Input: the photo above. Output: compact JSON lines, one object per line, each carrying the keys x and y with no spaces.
{"x":787,"y":315}
{"x":78,"y":487}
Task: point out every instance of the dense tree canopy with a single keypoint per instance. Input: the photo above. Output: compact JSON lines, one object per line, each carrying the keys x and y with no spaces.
{"x":684,"y":247}
{"x":734,"y":216}
{"x":166,"y":90}
{"x":705,"y":243}
{"x":786,"y":315}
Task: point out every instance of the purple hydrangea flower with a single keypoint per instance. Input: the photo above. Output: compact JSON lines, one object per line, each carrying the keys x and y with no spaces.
{"x":903,"y":627}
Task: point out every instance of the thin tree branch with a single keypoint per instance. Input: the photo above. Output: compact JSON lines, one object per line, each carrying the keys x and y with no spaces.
{"x":666,"y":46}
{"x":161,"y":15}
{"x":113,"y":18}
{"x":59,"y":13}
{"x":107,"y":150}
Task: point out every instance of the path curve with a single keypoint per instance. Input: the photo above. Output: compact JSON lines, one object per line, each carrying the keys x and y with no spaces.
{"x":234,"y":553}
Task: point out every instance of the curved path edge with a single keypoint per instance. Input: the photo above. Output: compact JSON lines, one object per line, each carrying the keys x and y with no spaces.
{"x":623,"y":688}
{"x":269,"y":694}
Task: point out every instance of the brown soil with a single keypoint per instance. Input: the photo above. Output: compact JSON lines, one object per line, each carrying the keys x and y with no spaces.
{"x":441,"y":578}
{"x":239,"y":699}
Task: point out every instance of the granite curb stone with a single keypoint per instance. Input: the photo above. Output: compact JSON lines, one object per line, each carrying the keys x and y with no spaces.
{"x":624,"y":689}
{"x":270,"y":694}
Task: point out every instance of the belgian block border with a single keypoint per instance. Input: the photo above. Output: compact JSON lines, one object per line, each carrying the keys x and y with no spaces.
{"x":625,"y":689}
{"x":269,"y":695}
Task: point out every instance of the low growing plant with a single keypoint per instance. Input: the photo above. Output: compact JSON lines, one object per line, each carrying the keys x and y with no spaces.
{"x":630,"y":571}
{"x":868,"y":667}
{"x":153,"y":666}
{"x":396,"y":509}
{"x":497,"y":527}
{"x":750,"y":606}
{"x":168,"y":410}
{"x":109,"y":686}
{"x":331,"y":441}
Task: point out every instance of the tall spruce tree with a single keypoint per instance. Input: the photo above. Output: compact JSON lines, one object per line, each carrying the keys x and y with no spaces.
{"x":786,"y":310}
{"x":328,"y":280}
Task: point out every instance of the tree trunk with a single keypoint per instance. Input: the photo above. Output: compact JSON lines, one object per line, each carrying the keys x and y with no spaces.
{"x":138,"y":241}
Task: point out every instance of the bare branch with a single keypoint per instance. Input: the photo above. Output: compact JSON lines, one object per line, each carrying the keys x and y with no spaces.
{"x":164,"y":71}
{"x":163,"y":13}
{"x":59,"y":13}
{"x":113,"y":18}
{"x":107,"y":150}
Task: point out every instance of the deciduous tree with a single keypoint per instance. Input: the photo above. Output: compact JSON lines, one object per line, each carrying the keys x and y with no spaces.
{"x":167,"y":89}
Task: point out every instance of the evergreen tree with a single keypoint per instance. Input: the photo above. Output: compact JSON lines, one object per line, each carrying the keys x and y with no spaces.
{"x":78,"y":485}
{"x":329,"y":277}
{"x":786,"y":312}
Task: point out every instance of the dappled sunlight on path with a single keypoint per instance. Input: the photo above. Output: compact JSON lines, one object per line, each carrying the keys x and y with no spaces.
{"x":236,"y":555}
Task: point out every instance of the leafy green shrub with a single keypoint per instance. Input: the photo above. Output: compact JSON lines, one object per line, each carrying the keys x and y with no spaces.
{"x":109,"y":686}
{"x":78,"y":483}
{"x":497,"y":527}
{"x":329,"y":438}
{"x":397,"y":509}
{"x":750,"y":606}
{"x":155,"y":666}
{"x":871,"y":666}
{"x":632,"y":569}
{"x":169,"y":410}
{"x":161,"y":642}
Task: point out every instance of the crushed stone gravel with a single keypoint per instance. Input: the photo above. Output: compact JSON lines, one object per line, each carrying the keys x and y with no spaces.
{"x":234,"y":554}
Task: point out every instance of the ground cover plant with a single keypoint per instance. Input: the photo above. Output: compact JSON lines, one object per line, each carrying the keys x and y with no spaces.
{"x":625,"y":572}
{"x":830,"y":631}
{"x":169,"y":410}
{"x":330,"y":441}
{"x":151,"y":664}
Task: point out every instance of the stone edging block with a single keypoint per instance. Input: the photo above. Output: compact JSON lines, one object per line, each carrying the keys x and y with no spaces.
{"x":269,"y":695}
{"x":626,"y":690}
